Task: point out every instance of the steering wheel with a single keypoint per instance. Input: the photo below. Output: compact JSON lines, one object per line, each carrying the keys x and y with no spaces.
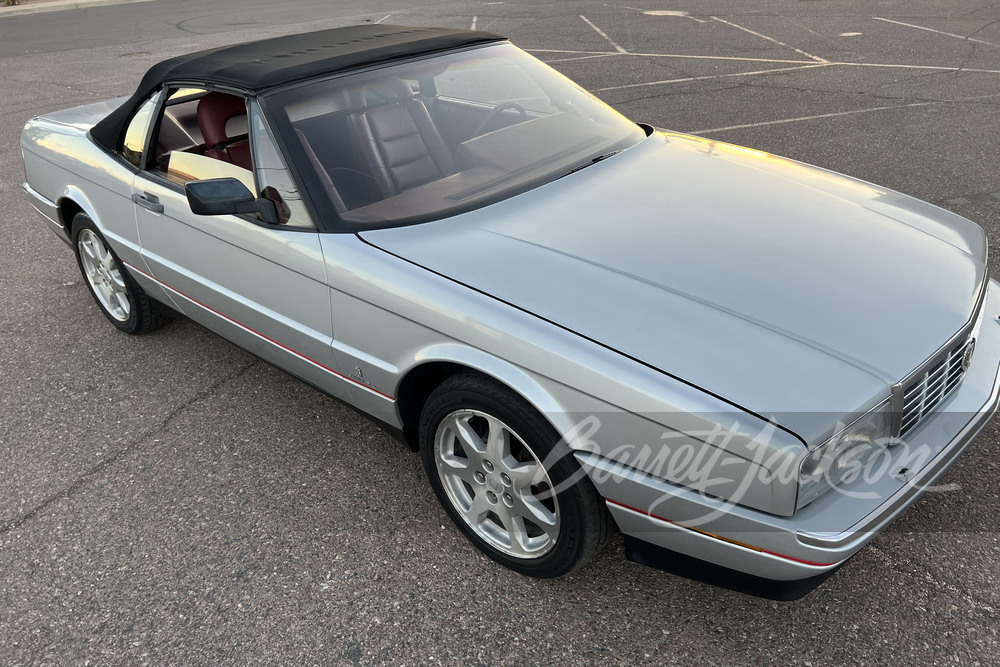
{"x":496,"y":111}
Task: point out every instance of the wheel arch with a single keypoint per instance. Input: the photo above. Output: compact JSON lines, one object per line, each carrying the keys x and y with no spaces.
{"x":70,"y":203}
{"x":439,"y":363}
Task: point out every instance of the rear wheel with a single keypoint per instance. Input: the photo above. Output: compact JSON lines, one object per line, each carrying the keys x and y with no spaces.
{"x":120,"y":298}
{"x":507,"y":480}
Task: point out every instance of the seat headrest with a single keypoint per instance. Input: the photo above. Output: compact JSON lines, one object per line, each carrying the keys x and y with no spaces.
{"x":361,"y":97}
{"x":214,"y":111}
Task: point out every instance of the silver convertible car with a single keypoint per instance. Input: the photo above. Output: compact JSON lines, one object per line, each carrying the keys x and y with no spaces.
{"x":750,"y":366}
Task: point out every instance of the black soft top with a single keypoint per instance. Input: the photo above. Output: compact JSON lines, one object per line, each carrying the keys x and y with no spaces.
{"x":257,"y":66}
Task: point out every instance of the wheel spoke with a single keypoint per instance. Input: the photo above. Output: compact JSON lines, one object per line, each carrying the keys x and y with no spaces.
{"x":498,"y":441}
{"x":447,"y":452}
{"x":535,"y":510}
{"x":107,"y":260}
{"x":469,"y":439}
{"x":106,"y":295}
{"x":89,"y":250}
{"x":89,"y":262}
{"x":479,"y":509}
{"x":551,"y":532}
{"x":464,"y":473}
{"x":520,"y":543}
{"x":524,"y":474}
{"x":123,"y":305}
{"x":117,"y":279}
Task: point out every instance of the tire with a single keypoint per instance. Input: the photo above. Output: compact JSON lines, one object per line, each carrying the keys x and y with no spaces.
{"x":117,"y":294}
{"x":499,"y":490}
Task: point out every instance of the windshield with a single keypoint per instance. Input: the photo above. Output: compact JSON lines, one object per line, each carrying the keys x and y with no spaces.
{"x":435,"y":137}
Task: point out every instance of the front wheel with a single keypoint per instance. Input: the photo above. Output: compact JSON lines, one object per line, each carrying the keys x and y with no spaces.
{"x":507,"y":480}
{"x":120,"y":298}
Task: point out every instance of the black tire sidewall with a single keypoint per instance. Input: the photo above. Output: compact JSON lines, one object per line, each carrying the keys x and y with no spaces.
{"x":578,"y":501}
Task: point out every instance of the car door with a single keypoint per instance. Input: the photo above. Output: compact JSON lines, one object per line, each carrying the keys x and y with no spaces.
{"x":261,"y":285}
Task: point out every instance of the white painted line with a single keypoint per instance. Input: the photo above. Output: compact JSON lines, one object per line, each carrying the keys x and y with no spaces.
{"x":566,"y":60}
{"x":603,"y":34}
{"x":712,"y":77}
{"x":804,"y":118}
{"x":940,"y":68}
{"x":661,"y":12}
{"x":675,"y":55}
{"x":940,"y":32}
{"x":925,"y":67}
{"x":383,"y":18}
{"x":820,"y":116}
{"x":772,"y":40}
{"x":664,"y":12}
{"x":474,"y":19}
{"x":595,"y":53}
{"x":746,"y":60}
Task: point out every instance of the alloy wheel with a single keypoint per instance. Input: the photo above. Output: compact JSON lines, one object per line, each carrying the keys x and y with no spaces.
{"x":105,"y":278}
{"x":497,"y":484}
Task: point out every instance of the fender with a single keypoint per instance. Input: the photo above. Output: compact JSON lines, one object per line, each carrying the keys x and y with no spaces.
{"x":77,"y":196}
{"x":122,"y":245}
{"x":525,"y":384}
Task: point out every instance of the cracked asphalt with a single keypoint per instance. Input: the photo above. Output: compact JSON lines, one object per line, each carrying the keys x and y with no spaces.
{"x":170,"y":499}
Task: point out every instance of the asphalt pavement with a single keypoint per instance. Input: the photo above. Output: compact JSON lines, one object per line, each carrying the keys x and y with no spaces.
{"x":170,"y":499}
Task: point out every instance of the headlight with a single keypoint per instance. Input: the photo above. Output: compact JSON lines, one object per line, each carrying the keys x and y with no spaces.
{"x":841,"y":458}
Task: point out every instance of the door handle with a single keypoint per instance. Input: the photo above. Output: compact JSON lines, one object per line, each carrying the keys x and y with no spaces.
{"x":146,"y":200}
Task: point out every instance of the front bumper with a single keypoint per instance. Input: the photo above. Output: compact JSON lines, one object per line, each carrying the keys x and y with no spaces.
{"x":653,"y":513}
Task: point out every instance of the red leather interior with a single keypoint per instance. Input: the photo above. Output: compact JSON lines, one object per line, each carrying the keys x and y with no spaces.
{"x":215,"y":110}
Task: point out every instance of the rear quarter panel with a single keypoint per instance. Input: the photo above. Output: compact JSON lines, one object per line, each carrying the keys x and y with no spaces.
{"x":64,"y":166}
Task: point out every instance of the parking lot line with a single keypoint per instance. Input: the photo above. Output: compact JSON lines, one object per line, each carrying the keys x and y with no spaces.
{"x":711,"y":76}
{"x":942,"y":68}
{"x":844,"y":113}
{"x":812,"y":63}
{"x":940,"y":32}
{"x":691,"y":56}
{"x":816,"y":117}
{"x":704,"y":57}
{"x":771,"y":39}
{"x":566,"y":60}
{"x":595,"y":53}
{"x":603,"y":34}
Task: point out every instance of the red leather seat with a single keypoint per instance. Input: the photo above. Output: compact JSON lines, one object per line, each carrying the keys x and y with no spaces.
{"x":215,"y":110}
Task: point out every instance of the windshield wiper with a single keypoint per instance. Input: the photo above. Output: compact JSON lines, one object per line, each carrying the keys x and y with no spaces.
{"x":590,"y":162}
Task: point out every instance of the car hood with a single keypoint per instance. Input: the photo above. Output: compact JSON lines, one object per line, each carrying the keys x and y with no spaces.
{"x":786,"y":289}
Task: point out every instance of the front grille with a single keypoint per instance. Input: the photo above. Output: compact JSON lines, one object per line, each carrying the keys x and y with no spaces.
{"x":933,"y":386}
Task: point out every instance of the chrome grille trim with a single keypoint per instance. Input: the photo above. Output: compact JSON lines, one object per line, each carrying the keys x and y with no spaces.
{"x":929,"y":390}
{"x":910,"y":396}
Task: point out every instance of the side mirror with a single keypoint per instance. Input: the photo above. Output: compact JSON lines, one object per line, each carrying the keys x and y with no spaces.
{"x":228,"y":196}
